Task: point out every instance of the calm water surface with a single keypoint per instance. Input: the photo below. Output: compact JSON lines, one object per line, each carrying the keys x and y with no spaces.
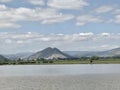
{"x":43,"y":70}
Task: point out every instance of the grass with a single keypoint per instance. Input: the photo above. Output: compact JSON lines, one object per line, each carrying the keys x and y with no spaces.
{"x":110,"y":61}
{"x":100,"y":61}
{"x":107,"y":61}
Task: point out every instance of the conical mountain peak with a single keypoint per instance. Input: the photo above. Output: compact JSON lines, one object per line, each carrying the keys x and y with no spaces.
{"x":49,"y":53}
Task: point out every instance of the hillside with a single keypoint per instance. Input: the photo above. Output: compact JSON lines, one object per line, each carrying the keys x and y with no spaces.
{"x":23,"y":55}
{"x":108,"y":53}
{"x":49,"y":53}
{"x":2,"y":58}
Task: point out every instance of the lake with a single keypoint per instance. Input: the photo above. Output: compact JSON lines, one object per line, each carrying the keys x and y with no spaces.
{"x":41,"y":70}
{"x":60,"y":77}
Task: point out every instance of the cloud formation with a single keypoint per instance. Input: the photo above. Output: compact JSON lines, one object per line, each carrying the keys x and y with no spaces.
{"x":37,"y":2}
{"x":31,"y":37}
{"x":10,"y":16}
{"x":117,"y":19}
{"x":117,"y":11}
{"x":104,"y":9}
{"x":34,"y":36}
{"x":5,"y":1}
{"x":67,"y":4}
{"x":52,"y":11}
{"x":80,"y":41}
{"x":86,"y":19}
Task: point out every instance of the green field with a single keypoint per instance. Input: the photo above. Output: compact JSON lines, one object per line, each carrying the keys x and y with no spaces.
{"x":109,"y":61}
{"x":100,"y":61}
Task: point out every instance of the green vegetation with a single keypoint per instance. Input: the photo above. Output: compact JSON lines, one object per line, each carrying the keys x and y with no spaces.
{"x":82,"y":60}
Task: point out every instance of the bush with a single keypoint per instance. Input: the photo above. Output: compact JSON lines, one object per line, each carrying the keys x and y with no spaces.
{"x":45,"y":61}
{"x":51,"y":61}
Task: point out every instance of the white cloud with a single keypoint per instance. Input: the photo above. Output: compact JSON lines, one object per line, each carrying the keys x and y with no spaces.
{"x":10,"y":16}
{"x":5,"y":1}
{"x":14,"y":42}
{"x":19,"y":37}
{"x":31,"y":36}
{"x":8,"y":41}
{"x":86,"y":34}
{"x":105,"y":34}
{"x":108,"y":47}
{"x":9,"y":25}
{"x":116,"y":15}
{"x":103,"y":37}
{"x":37,"y":2}
{"x":117,"y":11}
{"x":3,"y":7}
{"x":57,"y":18}
{"x":117,"y":19}
{"x":104,"y":9}
{"x":86,"y":19}
{"x":67,"y":4}
{"x":21,"y":42}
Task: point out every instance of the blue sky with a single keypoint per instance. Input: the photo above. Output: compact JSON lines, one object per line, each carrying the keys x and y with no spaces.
{"x":82,"y":25}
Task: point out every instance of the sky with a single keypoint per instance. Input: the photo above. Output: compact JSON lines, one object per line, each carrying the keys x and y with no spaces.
{"x":70,"y":25}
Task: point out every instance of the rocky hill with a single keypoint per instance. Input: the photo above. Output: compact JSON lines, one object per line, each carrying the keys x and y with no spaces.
{"x":49,"y":53}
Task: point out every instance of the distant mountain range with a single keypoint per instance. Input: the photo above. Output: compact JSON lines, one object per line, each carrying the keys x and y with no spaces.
{"x":108,"y":53}
{"x":80,"y":53}
{"x":54,"y":53}
{"x":23,"y":55}
{"x":2,"y":58}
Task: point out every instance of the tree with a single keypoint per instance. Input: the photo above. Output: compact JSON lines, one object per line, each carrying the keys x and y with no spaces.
{"x":93,"y":58}
{"x":51,"y":61}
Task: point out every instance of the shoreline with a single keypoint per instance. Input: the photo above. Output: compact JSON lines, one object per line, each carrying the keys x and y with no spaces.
{"x":61,"y":62}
